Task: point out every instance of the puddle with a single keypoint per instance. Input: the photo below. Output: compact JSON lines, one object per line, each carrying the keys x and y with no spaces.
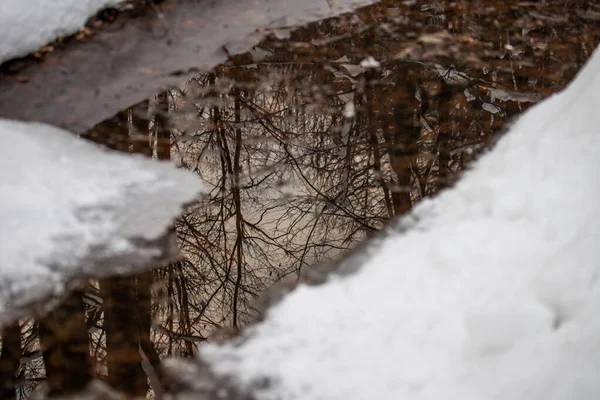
{"x":308,"y":143}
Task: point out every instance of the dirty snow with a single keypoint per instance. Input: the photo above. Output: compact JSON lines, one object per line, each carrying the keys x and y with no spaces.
{"x":27,"y":25}
{"x":489,"y":291}
{"x":71,"y":209}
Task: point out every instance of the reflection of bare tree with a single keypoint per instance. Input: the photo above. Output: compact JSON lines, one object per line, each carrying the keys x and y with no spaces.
{"x":281,"y":197}
{"x":10,"y":360}
{"x":304,"y":152}
{"x":64,"y":343}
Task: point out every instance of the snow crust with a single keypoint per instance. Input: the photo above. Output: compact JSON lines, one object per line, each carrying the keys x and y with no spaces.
{"x":71,"y":209}
{"x":492,"y":291}
{"x":27,"y":25}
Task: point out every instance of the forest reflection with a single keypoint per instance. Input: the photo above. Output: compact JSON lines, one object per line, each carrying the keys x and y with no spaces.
{"x":308,"y":144}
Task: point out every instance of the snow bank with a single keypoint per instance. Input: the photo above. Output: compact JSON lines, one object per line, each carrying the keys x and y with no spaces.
{"x":493,"y":292}
{"x":71,"y":209}
{"x":27,"y":25}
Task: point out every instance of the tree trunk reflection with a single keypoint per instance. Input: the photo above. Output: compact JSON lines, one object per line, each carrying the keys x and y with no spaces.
{"x":306,"y":149}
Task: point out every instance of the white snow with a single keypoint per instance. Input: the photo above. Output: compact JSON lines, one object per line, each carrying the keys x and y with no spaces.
{"x":470,"y":96}
{"x":489,"y":107}
{"x":71,"y":209}
{"x":349,"y":109}
{"x":27,"y":25}
{"x":370,"y":62}
{"x":489,"y":291}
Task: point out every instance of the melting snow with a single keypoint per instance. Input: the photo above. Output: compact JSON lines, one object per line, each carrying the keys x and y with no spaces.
{"x":27,"y":25}
{"x":489,"y":291}
{"x":70,"y":208}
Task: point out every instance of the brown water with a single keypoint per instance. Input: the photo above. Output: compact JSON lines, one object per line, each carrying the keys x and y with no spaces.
{"x":305,"y":153}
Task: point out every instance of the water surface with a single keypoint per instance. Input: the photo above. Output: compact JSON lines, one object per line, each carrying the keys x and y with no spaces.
{"x":309,"y":143}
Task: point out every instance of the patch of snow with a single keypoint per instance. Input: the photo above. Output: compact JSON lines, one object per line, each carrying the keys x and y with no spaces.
{"x":27,"y":25}
{"x":343,"y":59}
{"x":489,"y":107}
{"x":353,"y":70}
{"x":470,"y":96}
{"x":282,"y":33}
{"x":491,"y":290}
{"x":71,"y":209}
{"x":505,"y":95}
{"x":451,"y":76}
{"x":259,"y":54}
{"x":370,"y":62}
{"x":349,"y":110}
